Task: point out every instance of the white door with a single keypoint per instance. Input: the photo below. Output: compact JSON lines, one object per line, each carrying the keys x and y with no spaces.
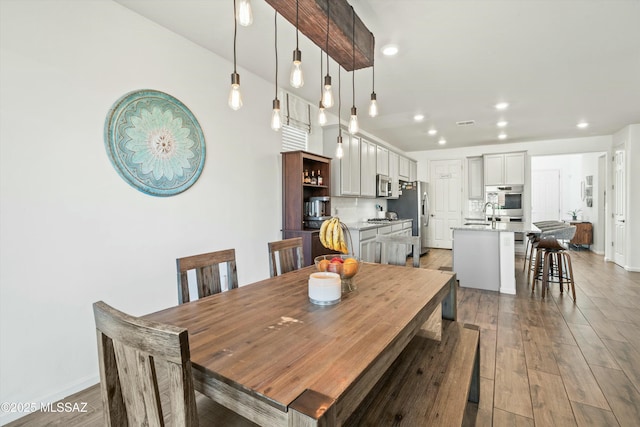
{"x":619,"y":210}
{"x":446,"y":212}
{"x":545,"y":195}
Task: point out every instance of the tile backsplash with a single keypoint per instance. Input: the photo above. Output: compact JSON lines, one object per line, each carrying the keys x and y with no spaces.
{"x":354,"y":209}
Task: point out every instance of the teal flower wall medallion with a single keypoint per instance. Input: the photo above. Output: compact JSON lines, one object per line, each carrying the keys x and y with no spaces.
{"x":154,"y":142}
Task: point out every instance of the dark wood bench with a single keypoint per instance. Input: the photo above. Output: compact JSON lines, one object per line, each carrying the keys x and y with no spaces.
{"x":429,"y":384}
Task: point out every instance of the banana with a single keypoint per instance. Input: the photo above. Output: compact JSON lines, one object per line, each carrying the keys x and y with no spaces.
{"x":343,"y":243}
{"x":337,"y":231}
{"x":323,"y":230}
{"x":328,"y":234}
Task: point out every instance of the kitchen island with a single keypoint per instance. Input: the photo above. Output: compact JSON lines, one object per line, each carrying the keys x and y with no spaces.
{"x":484,"y":254}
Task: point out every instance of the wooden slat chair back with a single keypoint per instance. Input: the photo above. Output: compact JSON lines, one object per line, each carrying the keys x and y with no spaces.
{"x":207,"y":268}
{"x":393,"y":249}
{"x":129,"y":348}
{"x":287,"y":254}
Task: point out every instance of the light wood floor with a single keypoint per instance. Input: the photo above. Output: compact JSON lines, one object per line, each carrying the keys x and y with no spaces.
{"x":543,"y":362}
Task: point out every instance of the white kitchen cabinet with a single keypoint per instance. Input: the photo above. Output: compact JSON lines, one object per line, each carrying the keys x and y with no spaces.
{"x":382,"y":160}
{"x":476,"y":178}
{"x":369,"y":251}
{"x":403,"y":168}
{"x":393,"y":174}
{"x":345,"y":172}
{"x":413,"y":170}
{"x":514,"y":168}
{"x":368,"y":168}
{"x":504,"y":169}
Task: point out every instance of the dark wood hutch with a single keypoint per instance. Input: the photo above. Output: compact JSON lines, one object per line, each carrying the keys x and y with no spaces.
{"x":295,"y":193}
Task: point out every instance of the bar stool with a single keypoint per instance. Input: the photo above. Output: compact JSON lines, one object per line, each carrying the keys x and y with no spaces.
{"x":533,"y":238}
{"x":553,"y":262}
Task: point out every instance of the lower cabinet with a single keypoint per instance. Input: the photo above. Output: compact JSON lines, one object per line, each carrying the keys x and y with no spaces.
{"x":311,"y":246}
{"x":364,"y":241}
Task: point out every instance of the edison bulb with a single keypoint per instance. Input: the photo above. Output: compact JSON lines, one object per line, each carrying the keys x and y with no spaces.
{"x":322,"y":116}
{"x":245,"y":14}
{"x":339,"y":151}
{"x":276,"y":120}
{"x":296,"y":80}
{"x":327,"y":93}
{"x":353,"y":122}
{"x":373,"y":106}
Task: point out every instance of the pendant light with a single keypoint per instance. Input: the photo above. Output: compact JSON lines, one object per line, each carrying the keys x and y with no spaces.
{"x":327,"y":94}
{"x":276,"y":121}
{"x":296,"y":80}
{"x":373,"y":105}
{"x":353,"y":120}
{"x":339,"y":150}
{"x":235,"y":98}
{"x":322,"y":116}
{"x":244,"y":13}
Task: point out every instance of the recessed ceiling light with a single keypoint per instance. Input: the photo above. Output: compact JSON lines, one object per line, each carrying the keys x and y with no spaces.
{"x":418,"y":117}
{"x":432,"y":132}
{"x":502,"y":123}
{"x":502,"y":136}
{"x":502,"y":105}
{"x":583,"y":125}
{"x":390,"y":50}
{"x":442,"y":141}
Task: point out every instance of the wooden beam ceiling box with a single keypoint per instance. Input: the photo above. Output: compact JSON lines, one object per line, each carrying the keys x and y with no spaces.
{"x":312,"y":23}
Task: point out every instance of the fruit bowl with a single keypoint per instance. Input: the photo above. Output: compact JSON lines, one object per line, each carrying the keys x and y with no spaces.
{"x":346,"y":266}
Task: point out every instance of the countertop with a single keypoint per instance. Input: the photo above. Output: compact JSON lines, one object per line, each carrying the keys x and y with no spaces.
{"x":515,"y":227}
{"x":363,"y":225}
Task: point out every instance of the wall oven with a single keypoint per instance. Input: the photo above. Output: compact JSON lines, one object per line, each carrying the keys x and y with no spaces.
{"x":508,"y":200}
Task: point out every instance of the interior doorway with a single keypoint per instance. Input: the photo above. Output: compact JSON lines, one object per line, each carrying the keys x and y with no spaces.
{"x":545,"y":195}
{"x":446,"y":184}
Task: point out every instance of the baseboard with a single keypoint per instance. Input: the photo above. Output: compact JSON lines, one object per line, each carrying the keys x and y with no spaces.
{"x":632,"y":269}
{"x":7,"y":417}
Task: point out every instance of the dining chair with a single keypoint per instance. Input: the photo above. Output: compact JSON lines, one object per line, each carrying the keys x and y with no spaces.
{"x":393,"y":249}
{"x":207,"y":268}
{"x":146,"y":374}
{"x":287,"y":254}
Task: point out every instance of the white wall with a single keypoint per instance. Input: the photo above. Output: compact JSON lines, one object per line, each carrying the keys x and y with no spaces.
{"x":73,"y":232}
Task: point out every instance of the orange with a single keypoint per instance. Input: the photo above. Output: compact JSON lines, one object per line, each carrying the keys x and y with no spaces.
{"x":350,"y":267}
{"x":323,"y":265}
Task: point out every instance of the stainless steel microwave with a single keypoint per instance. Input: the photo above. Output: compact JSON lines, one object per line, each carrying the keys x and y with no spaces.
{"x":383,"y":186}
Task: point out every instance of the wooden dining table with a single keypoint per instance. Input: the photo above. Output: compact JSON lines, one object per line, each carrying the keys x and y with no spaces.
{"x":266,"y":352}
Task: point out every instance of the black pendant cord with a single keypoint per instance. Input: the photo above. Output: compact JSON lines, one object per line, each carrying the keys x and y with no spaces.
{"x":275,"y":25}
{"x":235,"y":34}
{"x":339,"y":103}
{"x":296,"y":24}
{"x":353,"y":55}
{"x":327,"y":44}
{"x":373,"y":70}
{"x":321,"y":72}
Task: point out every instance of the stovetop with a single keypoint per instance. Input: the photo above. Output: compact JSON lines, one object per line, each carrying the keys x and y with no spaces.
{"x":382,"y":220}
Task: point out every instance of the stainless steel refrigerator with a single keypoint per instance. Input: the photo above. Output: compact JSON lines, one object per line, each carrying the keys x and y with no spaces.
{"x":413,"y":203}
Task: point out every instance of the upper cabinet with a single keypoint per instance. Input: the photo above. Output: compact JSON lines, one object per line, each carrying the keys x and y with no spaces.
{"x":345,"y":172}
{"x":403,"y":171}
{"x":394,"y":159}
{"x":476,"y":178}
{"x":382,"y":160}
{"x":368,"y":168}
{"x":504,"y":169}
{"x":413,"y":170}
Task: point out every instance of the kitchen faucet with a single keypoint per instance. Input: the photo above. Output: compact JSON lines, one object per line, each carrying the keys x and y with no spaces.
{"x":493,"y":212}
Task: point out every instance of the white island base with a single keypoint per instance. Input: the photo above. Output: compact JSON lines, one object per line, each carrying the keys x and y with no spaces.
{"x":485,"y":259}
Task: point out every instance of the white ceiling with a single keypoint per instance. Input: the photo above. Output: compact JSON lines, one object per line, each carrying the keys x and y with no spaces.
{"x":556,"y":62}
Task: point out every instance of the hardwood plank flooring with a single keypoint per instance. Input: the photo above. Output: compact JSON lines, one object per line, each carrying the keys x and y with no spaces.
{"x":543,"y":362}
